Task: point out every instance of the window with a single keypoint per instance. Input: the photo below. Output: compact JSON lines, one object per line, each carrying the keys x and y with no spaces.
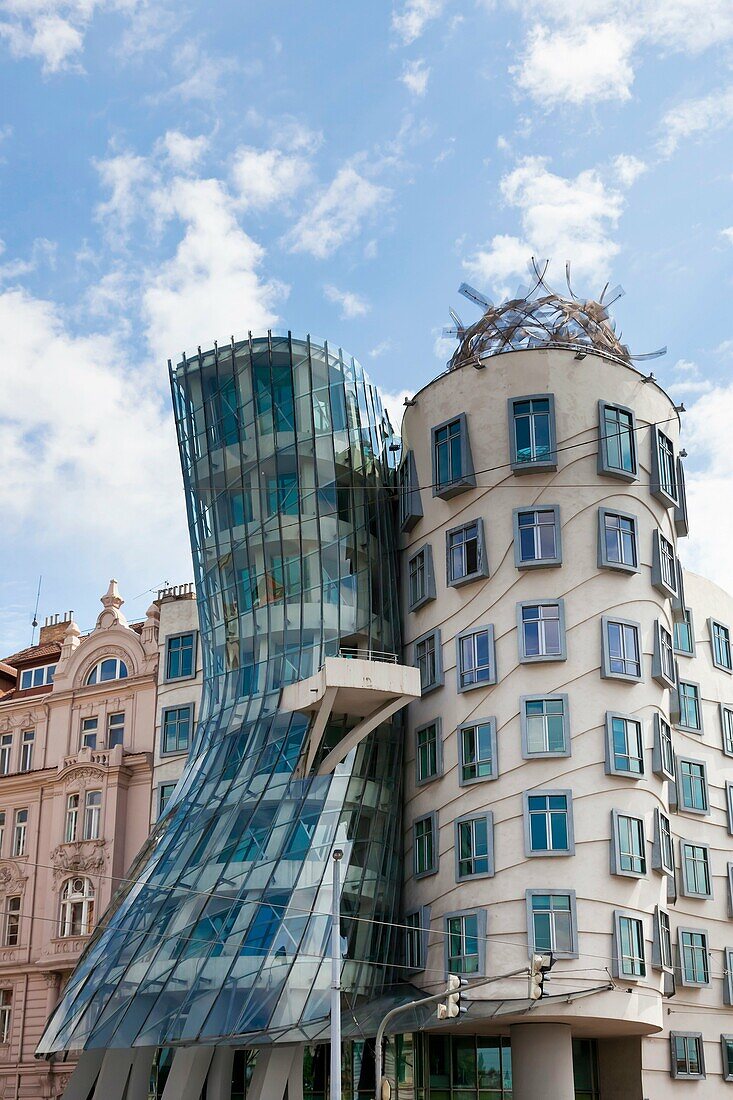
{"x":477,"y":748}
{"x":552,"y":923}
{"x":424,"y":835}
{"x":726,"y":1043}
{"x":664,"y":669}
{"x":624,"y":746}
{"x":476,"y":660}
{"x":545,"y":725}
{"x":415,"y":932}
{"x":452,"y":464}
{"x":2,"y":831}
{"x":537,"y":537}
{"x":684,"y":634}
{"x":687,"y":1054}
{"x":180,"y":656}
{"x":693,"y":786}
{"x":428,"y":752}
{"x":427,"y":657}
{"x":6,"y":1004}
{"x":541,"y":628}
{"x":728,"y":973}
{"x":695,"y":862}
{"x":621,"y":649}
{"x":662,"y":753}
{"x":421,"y":578}
{"x":720,"y":638}
{"x":689,"y":703}
{"x":681,"y":519}
{"x":726,"y":725}
{"x":410,"y":503}
{"x":20,"y":830}
{"x":662,"y":941}
{"x":165,"y":793}
{"x":465,"y":553}
{"x":729,"y":870}
{"x":532,"y":433}
{"x":37,"y":677}
{"x":282,"y":495}
{"x":662,"y":851}
{"x":548,"y":823}
{"x":77,"y":907}
{"x":26,"y":750}
{"x":464,"y":947}
{"x":628,"y":845}
{"x":92,"y":813}
{"x":176,"y":729}
{"x":11,"y":936}
{"x":664,"y":565}
{"x":694,"y":959}
{"x":474,"y":846}
{"x":664,"y":469}
{"x":115,"y":729}
{"x":617,"y":541}
{"x":617,"y":441}
{"x":629,"y":954}
{"x":89,"y":733}
{"x":6,"y":748}
{"x":729,"y":806}
{"x":72,"y":818}
{"x":111,"y":668}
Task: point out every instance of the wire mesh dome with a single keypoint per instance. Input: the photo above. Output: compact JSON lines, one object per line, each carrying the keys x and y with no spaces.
{"x":539,"y":317}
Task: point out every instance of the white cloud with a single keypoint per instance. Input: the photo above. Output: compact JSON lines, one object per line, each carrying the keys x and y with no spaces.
{"x":337,"y":214}
{"x":686,"y":367}
{"x":709,"y":469}
{"x":266,"y":176}
{"x":380,"y":349}
{"x":181,"y":151}
{"x":46,"y":36}
{"x":42,"y":251}
{"x":394,"y":403}
{"x":576,"y":65}
{"x":211,"y":287}
{"x":352,"y":305}
{"x":204,"y":75}
{"x":689,"y":388}
{"x":694,"y":117}
{"x":561,"y":218}
{"x":443,"y":347}
{"x":728,"y":234}
{"x":411,"y":21}
{"x":415,"y":76}
{"x":628,"y":169}
{"x":127,"y":177}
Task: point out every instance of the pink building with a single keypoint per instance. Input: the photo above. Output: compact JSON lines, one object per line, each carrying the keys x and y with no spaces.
{"x":77,"y":726}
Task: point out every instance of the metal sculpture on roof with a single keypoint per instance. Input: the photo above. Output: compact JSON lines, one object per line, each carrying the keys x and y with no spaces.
{"x":539,"y":317}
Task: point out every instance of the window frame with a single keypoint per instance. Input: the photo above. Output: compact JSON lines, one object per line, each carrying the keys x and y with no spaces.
{"x":438,"y":723}
{"x":691,"y":983}
{"x":537,"y":563}
{"x":658,"y":670}
{"x":658,"y":960}
{"x":616,"y":853}
{"x":723,"y":709}
{"x":115,"y":728}
{"x":687,"y":618}
{"x":120,"y":662}
{"x":194,"y":656}
{"x":481,"y":935}
{"x":523,"y":721}
{"x":603,"y":465}
{"x":491,"y":723}
{"x":12,"y":920}
{"x":697,"y":1036}
{"x":681,"y":807}
{"x":658,"y":579}
{"x":6,"y":1015}
{"x":164,"y":752}
{"x":727,"y":1066}
{"x":432,"y":817}
{"x":482,"y":569}
{"x":729,"y":806}
{"x":681,"y":518}
{"x":606,"y":673}
{"x":450,"y":489}
{"x":611,"y":767}
{"x":439,"y":674}
{"x":542,"y":658}
{"x":662,"y":855}
{"x":712,"y":623}
{"x":571,"y":895}
{"x":426,"y":552}
{"x":687,"y":891}
{"x":698,"y":730}
{"x":656,"y":486}
{"x":410,"y":504}
{"x":20,"y":830}
{"x":552,"y":853}
{"x":482,"y":815}
{"x":422,"y":931}
{"x":159,"y":794}
{"x":604,"y":562}
{"x":471,"y":633}
{"x":92,"y":819}
{"x":27,"y":744}
{"x":728,"y":976}
{"x":659,"y":763}
{"x":542,"y":464}
{"x":618,"y":971}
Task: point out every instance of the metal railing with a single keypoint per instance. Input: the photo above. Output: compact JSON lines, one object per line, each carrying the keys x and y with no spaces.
{"x":368,"y":655}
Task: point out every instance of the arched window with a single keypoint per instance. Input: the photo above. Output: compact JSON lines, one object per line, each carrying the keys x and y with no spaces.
{"x":111,"y":668}
{"x":77,"y":907}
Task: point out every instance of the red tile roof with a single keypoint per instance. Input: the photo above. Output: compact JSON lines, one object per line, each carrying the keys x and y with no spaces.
{"x":34,"y":655}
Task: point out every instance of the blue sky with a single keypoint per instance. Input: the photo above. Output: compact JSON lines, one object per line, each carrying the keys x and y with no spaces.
{"x":171,"y":174}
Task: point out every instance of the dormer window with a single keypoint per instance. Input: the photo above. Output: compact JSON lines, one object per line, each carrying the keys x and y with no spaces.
{"x":111,"y":668}
{"x":36,"y":677}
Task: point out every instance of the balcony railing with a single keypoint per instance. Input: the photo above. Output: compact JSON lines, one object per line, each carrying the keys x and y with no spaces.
{"x":368,"y":655}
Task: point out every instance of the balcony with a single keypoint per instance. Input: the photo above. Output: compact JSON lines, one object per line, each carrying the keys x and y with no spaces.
{"x":360,"y":683}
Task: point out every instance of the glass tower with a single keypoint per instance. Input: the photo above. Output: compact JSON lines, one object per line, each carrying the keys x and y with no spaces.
{"x":220,"y":930}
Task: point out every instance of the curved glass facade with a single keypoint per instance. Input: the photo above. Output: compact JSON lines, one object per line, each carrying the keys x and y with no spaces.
{"x":221,"y":929}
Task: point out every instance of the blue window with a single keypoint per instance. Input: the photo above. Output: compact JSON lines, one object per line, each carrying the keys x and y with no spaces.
{"x":532,"y":431}
{"x":165,"y":791}
{"x":176,"y":729}
{"x":111,"y":668}
{"x":282,"y":495}
{"x":179,"y":660}
{"x":262,"y":931}
{"x":463,"y":944}
{"x":448,"y":453}
{"x":549,"y":826}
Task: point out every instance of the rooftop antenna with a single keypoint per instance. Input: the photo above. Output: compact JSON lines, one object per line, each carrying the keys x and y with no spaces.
{"x":34,"y":624}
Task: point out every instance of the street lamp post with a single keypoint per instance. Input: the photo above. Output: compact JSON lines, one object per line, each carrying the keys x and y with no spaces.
{"x":336,"y":978}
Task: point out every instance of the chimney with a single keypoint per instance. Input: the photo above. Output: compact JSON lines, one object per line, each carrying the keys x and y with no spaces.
{"x":54,"y":627}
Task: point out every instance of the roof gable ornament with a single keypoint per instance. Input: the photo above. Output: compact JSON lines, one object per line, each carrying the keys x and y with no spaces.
{"x":112,"y":602}
{"x":539,"y":317}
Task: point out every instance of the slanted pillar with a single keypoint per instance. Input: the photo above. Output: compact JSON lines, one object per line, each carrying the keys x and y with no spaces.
{"x":273,"y":1070}
{"x":542,"y":1062}
{"x":219,"y":1081}
{"x":188,"y":1073}
{"x":86,"y":1073}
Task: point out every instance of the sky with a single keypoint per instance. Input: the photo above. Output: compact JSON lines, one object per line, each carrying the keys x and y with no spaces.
{"x":174,"y":172}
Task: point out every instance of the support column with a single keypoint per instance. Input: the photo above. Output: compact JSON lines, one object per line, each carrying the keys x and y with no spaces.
{"x":542,"y":1062}
{"x":84,"y":1076}
{"x":189,"y":1068}
{"x":139,"y":1086}
{"x":272,"y":1071}
{"x":295,"y":1079}
{"x":219,"y":1081}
